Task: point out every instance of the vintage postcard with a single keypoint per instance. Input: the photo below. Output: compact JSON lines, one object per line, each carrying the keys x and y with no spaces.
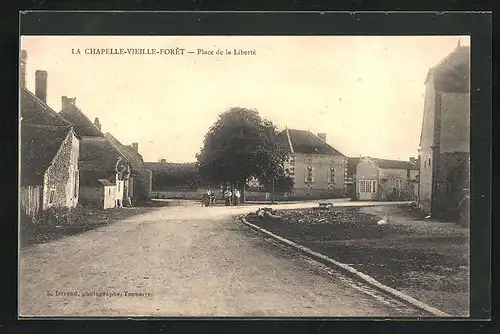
{"x":249,"y":176}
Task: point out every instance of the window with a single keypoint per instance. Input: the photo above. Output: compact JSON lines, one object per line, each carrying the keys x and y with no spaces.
{"x":309,"y":174}
{"x":398,"y":183}
{"x":52,"y":196}
{"x":331,"y":175}
{"x":368,"y":186}
{"x":76,"y":181}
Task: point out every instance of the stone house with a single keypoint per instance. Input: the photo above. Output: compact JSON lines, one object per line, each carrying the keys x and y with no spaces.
{"x":317,"y":169}
{"x":49,"y":151}
{"x":445,"y":136}
{"x":104,"y":157}
{"x":383,"y":179}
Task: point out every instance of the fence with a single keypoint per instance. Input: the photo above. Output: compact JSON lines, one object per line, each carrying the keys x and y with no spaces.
{"x":31,"y":199}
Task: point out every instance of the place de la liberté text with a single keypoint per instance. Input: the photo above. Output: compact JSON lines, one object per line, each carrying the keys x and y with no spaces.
{"x":164,"y":52}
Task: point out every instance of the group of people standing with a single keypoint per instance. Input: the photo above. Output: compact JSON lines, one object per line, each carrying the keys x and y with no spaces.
{"x":230,"y":196}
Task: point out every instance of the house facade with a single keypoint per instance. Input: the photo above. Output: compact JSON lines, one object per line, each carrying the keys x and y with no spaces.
{"x":383,"y":179}
{"x":141,"y":177}
{"x":445,"y":135}
{"x":49,"y":151}
{"x":99,"y":161}
{"x":103,"y":157}
{"x":317,"y":169}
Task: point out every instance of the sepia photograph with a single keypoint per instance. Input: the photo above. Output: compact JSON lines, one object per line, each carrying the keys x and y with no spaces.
{"x":244,"y":176}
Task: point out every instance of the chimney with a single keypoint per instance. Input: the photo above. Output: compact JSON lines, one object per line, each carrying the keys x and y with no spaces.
{"x":322,"y":136}
{"x":22,"y":69}
{"x":97,"y":123}
{"x":135,"y":147}
{"x":67,"y":102}
{"x":41,"y":85}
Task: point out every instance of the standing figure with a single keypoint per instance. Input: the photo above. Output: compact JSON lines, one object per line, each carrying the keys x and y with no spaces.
{"x":211,"y":197}
{"x":228,"y":195}
{"x":237,"y":196}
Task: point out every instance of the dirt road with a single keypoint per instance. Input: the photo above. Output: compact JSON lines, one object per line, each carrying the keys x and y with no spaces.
{"x":185,"y":261}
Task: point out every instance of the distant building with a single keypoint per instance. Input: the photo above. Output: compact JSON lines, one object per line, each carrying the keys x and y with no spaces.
{"x":49,"y":151}
{"x":445,"y":135}
{"x":176,"y":180}
{"x":383,"y":179}
{"x":318,"y":169}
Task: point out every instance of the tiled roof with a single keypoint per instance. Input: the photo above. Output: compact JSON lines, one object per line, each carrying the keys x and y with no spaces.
{"x":39,"y":146}
{"x":394,"y":164}
{"x":82,"y":124}
{"x":306,"y":142}
{"x":452,"y":74}
{"x":97,"y":154}
{"x":35,"y":111}
{"x":135,"y":161}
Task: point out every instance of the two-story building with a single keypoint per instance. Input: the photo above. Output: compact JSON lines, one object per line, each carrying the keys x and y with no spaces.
{"x":445,"y":135}
{"x":317,"y":169}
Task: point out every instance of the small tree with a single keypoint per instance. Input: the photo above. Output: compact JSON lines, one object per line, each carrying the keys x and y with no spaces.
{"x":240,"y":145}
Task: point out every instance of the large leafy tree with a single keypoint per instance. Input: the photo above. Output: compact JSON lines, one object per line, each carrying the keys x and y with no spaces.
{"x":240,"y":145}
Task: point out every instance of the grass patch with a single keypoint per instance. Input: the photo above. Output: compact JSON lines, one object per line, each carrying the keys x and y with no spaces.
{"x":58,"y":223}
{"x":431,"y":264}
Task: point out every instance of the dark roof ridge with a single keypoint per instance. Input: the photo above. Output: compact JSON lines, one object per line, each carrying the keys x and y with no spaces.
{"x":44,"y":105}
{"x":74,"y":108}
{"x":316,"y":137}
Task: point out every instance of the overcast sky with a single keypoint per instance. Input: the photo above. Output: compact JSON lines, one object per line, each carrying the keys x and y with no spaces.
{"x":366,"y":93}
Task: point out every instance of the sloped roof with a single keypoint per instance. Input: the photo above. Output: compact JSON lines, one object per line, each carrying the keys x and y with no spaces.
{"x":452,"y":74}
{"x":394,"y":164}
{"x":82,"y":124}
{"x":137,"y":154}
{"x":97,"y":154}
{"x":105,"y":182}
{"x":35,"y":111}
{"x":39,"y":146}
{"x":136,"y":162}
{"x":306,"y":142}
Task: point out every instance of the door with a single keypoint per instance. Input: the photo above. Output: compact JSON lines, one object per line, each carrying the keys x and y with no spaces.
{"x":367,"y":189}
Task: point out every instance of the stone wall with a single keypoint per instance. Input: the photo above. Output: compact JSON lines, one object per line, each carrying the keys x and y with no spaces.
{"x":59,"y":180}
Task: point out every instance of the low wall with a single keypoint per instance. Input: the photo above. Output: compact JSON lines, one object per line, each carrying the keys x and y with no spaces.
{"x":196,"y":194}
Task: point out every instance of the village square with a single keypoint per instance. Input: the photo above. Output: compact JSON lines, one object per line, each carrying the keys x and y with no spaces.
{"x":268,"y":219}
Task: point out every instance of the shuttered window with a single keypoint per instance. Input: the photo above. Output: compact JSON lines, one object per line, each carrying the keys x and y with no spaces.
{"x":331,"y":175}
{"x":309,"y":174}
